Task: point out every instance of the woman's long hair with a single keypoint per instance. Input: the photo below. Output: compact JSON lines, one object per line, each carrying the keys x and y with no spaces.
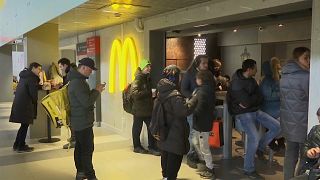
{"x":275,"y":63}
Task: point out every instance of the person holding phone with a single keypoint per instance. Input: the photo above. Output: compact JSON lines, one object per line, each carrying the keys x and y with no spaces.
{"x":82,"y":101}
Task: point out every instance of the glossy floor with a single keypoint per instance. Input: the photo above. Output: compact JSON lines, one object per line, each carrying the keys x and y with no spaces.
{"x":113,"y":159}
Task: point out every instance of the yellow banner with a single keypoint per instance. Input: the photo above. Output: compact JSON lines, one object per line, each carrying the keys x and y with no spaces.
{"x":121,"y":53}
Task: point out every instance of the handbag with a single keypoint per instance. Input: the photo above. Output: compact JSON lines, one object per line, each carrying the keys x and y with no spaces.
{"x":216,"y":135}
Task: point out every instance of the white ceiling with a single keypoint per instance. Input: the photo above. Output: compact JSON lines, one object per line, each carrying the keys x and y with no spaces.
{"x":97,"y":14}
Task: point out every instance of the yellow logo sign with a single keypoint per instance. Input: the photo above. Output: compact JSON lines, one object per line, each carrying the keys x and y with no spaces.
{"x":2,"y":2}
{"x":121,"y":55}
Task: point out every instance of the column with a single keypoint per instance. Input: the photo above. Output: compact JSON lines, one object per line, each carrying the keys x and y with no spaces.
{"x":314,"y":92}
{"x":6,"y":92}
{"x":42,"y":46}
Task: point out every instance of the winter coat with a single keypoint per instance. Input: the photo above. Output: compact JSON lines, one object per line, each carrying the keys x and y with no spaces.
{"x":294,"y":94}
{"x":243,"y":91}
{"x":82,"y":101}
{"x":270,"y":90}
{"x":176,"y":110}
{"x":203,"y":115}
{"x":24,"y":107}
{"x":312,"y":141}
{"x":188,"y":84}
{"x":142,"y":95}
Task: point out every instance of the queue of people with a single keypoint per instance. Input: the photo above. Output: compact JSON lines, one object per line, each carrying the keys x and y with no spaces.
{"x":279,"y":103}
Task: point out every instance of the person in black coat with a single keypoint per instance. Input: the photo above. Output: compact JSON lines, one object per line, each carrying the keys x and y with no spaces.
{"x":202,"y":120}
{"x":24,"y":107}
{"x":176,"y":110}
{"x":188,"y":85}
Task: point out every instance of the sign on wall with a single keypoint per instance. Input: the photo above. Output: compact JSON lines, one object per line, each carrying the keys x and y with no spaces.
{"x":122,"y":54}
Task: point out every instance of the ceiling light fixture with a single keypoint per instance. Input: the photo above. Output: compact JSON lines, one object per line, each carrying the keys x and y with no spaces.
{"x":280,"y":25}
{"x":202,"y":25}
{"x":199,"y":35}
{"x":235,"y":30}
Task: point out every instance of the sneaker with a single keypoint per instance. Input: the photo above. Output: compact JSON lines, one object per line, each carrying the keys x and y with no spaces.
{"x":80,"y":176}
{"x":25,"y":148}
{"x":70,"y":145}
{"x":208,"y":174}
{"x":154,"y":152}
{"x":191,"y":163}
{"x":201,"y":167}
{"x":140,"y":150}
{"x":253,"y":175}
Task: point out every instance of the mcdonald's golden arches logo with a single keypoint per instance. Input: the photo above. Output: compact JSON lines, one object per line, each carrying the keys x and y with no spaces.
{"x":122,"y":54}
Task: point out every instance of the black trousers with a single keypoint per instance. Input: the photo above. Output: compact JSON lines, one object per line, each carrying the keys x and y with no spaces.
{"x":136,"y":131}
{"x":83,"y":152}
{"x":170,"y":164}
{"x":21,"y":136}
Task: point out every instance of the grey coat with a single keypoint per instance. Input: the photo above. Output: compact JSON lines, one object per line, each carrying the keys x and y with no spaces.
{"x":294,"y":94}
{"x":82,"y":101}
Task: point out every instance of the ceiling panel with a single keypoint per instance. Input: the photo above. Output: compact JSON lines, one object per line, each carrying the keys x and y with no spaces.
{"x":97,"y":14}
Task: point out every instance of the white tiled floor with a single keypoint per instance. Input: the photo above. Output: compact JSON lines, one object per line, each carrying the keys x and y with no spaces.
{"x":113,"y":159}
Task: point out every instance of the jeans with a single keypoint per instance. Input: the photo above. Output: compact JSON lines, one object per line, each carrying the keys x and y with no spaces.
{"x":170,"y":164}
{"x":293,"y":151}
{"x":83,"y":152}
{"x":21,"y":136}
{"x":190,"y":122}
{"x":200,"y":141}
{"x":248,"y":122}
{"x":136,"y":131}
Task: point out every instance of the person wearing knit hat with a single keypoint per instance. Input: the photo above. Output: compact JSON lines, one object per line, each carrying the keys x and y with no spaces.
{"x":172,"y":73}
{"x":144,"y":63}
{"x":142,"y":108}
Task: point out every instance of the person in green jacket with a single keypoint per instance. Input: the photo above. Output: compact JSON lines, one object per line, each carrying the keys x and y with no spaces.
{"x":82,"y":101}
{"x":142,"y":108}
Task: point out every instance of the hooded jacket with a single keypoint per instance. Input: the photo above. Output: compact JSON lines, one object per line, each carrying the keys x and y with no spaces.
{"x":188,"y":83}
{"x":243,"y":91}
{"x":176,"y":111}
{"x":203,"y":115}
{"x":24,"y":107}
{"x":270,"y":90}
{"x":142,"y":95}
{"x":82,"y":101}
{"x":294,"y":94}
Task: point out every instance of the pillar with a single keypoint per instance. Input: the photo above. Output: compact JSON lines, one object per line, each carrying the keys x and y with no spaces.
{"x":6,"y":92}
{"x":42,"y":46}
{"x":314,"y":87}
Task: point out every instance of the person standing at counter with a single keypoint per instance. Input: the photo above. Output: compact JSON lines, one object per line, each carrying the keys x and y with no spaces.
{"x":24,"y":107}
{"x":142,"y":108}
{"x":188,"y":85}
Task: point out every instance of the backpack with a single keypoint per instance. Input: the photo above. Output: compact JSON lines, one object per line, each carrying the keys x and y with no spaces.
{"x":159,"y":128}
{"x":127,"y":100}
{"x":57,"y":107}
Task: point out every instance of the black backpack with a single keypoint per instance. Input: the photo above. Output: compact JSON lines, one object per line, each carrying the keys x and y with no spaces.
{"x":127,"y":100}
{"x":158,"y":125}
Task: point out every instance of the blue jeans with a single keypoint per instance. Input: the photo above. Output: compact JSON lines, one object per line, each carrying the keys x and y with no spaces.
{"x":248,"y":122}
{"x":190,"y":122}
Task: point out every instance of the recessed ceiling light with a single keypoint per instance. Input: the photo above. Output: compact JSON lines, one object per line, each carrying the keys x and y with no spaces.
{"x":199,"y":35}
{"x":280,"y":25}
{"x":202,"y":25}
{"x":235,"y":30}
